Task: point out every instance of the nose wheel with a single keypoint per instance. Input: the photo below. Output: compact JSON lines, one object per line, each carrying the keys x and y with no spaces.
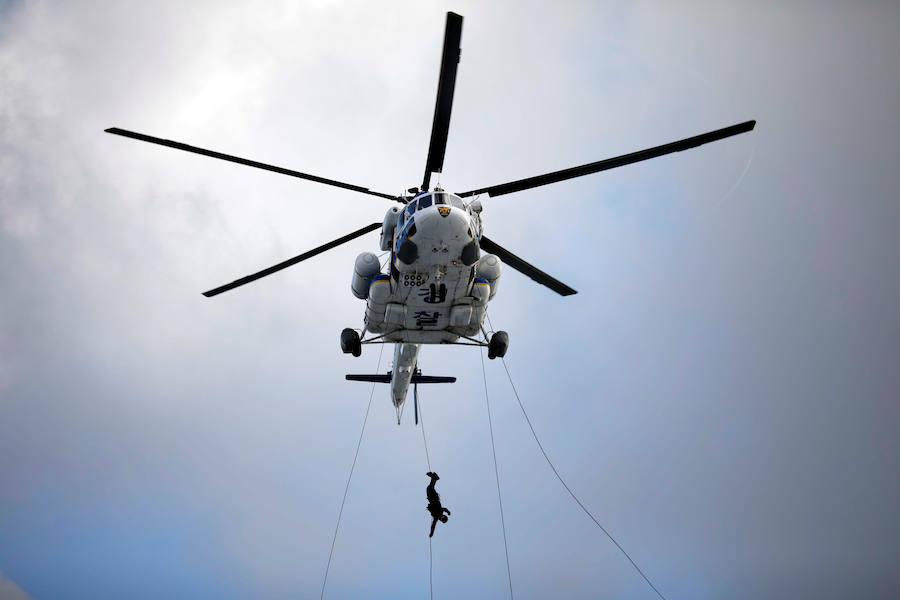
{"x":498,"y":345}
{"x":350,"y":343}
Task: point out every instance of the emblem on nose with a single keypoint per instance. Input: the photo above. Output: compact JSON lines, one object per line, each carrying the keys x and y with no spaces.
{"x":444,"y":210}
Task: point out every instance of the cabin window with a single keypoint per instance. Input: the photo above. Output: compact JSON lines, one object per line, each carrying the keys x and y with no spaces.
{"x":424,"y":202}
{"x":410,"y":208}
{"x":401,"y":220}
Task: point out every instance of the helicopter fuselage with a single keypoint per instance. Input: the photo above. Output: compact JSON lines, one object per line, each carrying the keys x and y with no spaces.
{"x":437,"y":286}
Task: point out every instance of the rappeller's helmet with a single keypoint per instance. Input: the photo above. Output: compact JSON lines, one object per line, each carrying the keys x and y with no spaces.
{"x":443,"y":518}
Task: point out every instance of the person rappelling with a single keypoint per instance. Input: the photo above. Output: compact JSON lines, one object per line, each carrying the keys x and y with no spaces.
{"x":434,"y":503}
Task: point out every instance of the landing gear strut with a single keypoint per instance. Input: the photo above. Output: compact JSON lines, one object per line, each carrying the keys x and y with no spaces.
{"x":350,"y":343}
{"x":498,"y":345}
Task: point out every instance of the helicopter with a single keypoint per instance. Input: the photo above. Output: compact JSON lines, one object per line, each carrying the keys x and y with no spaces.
{"x":442,"y":271}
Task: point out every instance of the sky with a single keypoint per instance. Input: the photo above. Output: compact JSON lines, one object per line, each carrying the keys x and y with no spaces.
{"x":721,"y":393}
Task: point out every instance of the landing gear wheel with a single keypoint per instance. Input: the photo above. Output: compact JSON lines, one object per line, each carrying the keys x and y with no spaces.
{"x":350,"y":343}
{"x":498,"y":345}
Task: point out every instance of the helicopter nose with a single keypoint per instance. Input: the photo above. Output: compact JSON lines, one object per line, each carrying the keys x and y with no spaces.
{"x":442,"y":233}
{"x":450,"y":223}
{"x":458,"y":222}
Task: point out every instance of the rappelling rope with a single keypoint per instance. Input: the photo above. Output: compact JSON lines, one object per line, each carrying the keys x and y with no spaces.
{"x":565,"y":485}
{"x":428,"y":462}
{"x":496,"y":471}
{"x":424,"y":441}
{"x":740,"y":178}
{"x":349,"y":477}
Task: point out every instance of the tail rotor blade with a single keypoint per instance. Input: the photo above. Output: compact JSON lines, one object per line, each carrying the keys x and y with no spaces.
{"x":440,"y":126}
{"x":291,"y":261}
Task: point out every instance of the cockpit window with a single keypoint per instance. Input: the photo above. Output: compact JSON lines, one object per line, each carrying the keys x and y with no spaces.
{"x":437,"y":198}
{"x":401,"y":220}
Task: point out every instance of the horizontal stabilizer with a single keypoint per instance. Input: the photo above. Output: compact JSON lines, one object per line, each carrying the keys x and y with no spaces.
{"x":415,"y":378}
{"x":372,"y":378}
{"x":432,"y":379}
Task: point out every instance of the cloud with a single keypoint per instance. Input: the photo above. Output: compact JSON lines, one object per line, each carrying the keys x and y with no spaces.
{"x":720,"y":386}
{"x":10,"y":591}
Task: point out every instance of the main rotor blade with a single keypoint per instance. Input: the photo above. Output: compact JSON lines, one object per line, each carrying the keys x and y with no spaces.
{"x":291,"y":261}
{"x":612,"y":163}
{"x":244,"y":161}
{"x":522,"y":266}
{"x":444,"y":102}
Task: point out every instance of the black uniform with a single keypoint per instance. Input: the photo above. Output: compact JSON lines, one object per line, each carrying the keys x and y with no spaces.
{"x":434,"y":502}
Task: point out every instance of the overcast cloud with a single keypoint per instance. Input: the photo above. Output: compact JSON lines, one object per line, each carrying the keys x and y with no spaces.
{"x":721,"y":393}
